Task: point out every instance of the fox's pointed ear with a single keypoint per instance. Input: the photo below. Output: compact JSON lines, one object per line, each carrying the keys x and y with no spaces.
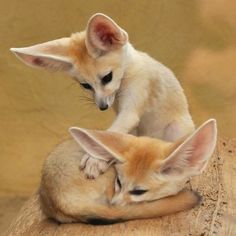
{"x":103,"y":35}
{"x":52,"y":55}
{"x":102,"y":145}
{"x":191,"y":157}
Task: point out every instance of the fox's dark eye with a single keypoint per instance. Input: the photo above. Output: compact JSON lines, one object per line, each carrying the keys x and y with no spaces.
{"x":107,"y":78}
{"x":86,"y":86}
{"x":118,"y":181}
{"x":138,"y":191}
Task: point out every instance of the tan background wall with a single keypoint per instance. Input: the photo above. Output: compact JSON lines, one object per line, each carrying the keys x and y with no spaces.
{"x":196,"y":39}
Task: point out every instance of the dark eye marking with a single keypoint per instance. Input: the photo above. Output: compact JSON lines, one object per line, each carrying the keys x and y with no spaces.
{"x":86,"y":86}
{"x":107,"y":78}
{"x":138,"y":191}
{"x":118,"y":182}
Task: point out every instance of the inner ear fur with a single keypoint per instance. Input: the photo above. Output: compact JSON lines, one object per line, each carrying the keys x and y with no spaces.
{"x":103,"y":35}
{"x":51,"y":55}
{"x":103,"y":145}
{"x":191,"y":155}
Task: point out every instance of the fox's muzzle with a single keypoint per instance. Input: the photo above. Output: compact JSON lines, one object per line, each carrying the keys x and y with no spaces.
{"x":103,"y":106}
{"x":104,"y":102}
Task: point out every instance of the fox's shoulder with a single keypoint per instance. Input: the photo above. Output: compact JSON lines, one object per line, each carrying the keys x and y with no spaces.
{"x":144,"y":66}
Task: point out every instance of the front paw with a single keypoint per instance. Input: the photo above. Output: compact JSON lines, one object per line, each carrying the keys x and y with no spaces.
{"x":92,"y":167}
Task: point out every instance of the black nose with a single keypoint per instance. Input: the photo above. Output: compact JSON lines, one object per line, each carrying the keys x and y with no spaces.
{"x":103,"y":107}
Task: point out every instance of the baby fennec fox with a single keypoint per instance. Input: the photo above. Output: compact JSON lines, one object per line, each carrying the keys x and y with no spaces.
{"x":148,"y":98}
{"x":146,"y":169}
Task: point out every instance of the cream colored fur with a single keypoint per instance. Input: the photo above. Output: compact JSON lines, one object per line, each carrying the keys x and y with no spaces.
{"x":145,"y":94}
{"x":146,"y":173}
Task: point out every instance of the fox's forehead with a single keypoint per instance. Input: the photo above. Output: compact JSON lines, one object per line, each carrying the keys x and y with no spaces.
{"x":90,"y":67}
{"x":145,"y":158}
{"x":79,"y":54}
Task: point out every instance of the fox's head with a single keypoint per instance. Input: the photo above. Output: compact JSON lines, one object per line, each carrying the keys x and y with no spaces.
{"x":147,"y":168}
{"x":96,"y":57}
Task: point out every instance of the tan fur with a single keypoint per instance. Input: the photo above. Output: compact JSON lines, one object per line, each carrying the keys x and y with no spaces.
{"x":158,"y":168}
{"x":142,"y":153}
{"x":78,"y":53}
{"x":69,"y":197}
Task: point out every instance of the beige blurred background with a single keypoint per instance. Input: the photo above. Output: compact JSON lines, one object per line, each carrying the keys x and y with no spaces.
{"x":196,"y":39}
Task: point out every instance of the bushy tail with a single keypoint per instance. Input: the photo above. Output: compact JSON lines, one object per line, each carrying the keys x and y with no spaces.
{"x":184,"y":200}
{"x":28,"y":219}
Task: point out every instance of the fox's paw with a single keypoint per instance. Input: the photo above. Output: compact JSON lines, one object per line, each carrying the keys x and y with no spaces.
{"x":92,"y":167}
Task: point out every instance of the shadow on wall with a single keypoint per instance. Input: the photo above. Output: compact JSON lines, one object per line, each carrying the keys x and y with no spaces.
{"x":196,"y":39}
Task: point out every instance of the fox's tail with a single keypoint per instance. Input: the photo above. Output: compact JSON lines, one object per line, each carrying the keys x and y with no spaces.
{"x":184,"y":200}
{"x":29,"y":217}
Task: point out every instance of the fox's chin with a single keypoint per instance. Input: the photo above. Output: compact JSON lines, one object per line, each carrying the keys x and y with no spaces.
{"x":120,"y":203}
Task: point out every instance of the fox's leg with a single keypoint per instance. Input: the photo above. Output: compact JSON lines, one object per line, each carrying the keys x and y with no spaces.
{"x":125,"y":122}
{"x":184,"y":200}
{"x":92,"y":167}
{"x":130,"y":106}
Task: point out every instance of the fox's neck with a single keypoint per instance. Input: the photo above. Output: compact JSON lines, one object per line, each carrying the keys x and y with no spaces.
{"x":135,"y":60}
{"x":152,"y":77}
{"x":132,"y":56}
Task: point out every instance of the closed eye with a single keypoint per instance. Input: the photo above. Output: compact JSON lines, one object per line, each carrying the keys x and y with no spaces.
{"x":107,"y":78}
{"x":86,"y":86}
{"x":138,"y":191}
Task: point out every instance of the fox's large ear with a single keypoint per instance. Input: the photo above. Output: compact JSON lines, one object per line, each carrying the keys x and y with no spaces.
{"x":52,"y":55}
{"x":103,"y":34}
{"x":191,"y":157}
{"x":102,"y":145}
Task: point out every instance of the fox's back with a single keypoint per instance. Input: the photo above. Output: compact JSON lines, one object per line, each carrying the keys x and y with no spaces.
{"x":160,"y":93}
{"x":66,"y":195}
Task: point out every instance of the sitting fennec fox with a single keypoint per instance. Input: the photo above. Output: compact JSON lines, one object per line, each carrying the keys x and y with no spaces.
{"x":145,"y":170}
{"x":148,"y":98}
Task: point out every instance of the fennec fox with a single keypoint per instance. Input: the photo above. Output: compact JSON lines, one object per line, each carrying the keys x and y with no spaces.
{"x":145,"y":169}
{"x":147,"y":97}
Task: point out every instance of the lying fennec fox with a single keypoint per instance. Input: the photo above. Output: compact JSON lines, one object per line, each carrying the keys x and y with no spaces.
{"x":148,"y":98}
{"x":145,"y":170}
